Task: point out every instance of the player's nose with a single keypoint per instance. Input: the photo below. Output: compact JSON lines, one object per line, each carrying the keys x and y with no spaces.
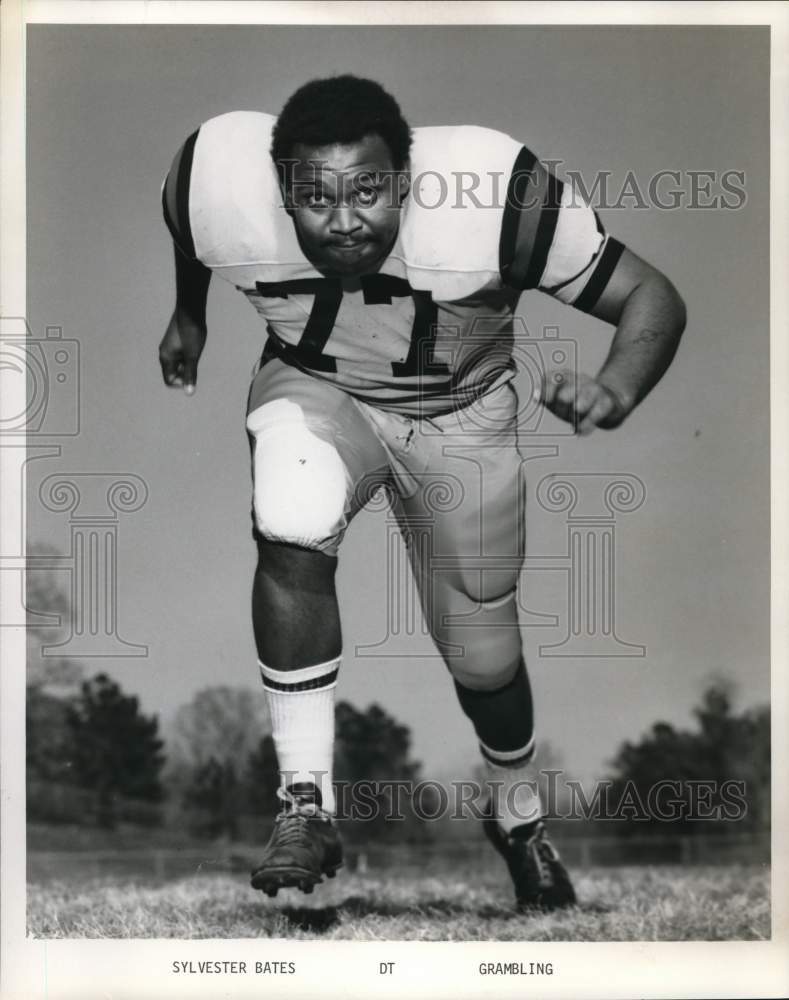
{"x":344,"y":221}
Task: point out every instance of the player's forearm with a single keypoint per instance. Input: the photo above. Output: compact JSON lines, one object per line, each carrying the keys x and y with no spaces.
{"x":191,"y":288}
{"x":646,"y":339}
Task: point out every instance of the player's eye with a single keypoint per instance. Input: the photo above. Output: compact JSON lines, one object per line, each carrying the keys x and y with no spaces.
{"x":366,"y":197}
{"x":317,"y":199}
{"x":310,"y":197}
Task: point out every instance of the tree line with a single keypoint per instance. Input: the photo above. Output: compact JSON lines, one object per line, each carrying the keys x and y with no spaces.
{"x":94,"y":757}
{"x":218,"y":767}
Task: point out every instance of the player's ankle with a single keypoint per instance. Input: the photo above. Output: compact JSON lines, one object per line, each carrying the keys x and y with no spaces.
{"x":524,"y":831}
{"x":305,"y":792}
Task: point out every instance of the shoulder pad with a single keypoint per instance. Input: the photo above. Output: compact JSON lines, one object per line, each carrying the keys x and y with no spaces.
{"x":453,"y":215}
{"x":235,"y":201}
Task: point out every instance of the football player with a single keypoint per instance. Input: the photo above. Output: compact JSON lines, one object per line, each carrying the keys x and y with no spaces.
{"x":387,"y":264}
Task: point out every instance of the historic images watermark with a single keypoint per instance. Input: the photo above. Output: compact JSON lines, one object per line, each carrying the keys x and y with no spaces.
{"x":45,"y":374}
{"x":666,"y":189}
{"x":665,"y":801}
{"x":492,"y":351}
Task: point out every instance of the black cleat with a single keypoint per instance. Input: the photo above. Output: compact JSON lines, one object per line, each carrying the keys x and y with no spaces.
{"x":539,"y":877}
{"x":303,"y":847}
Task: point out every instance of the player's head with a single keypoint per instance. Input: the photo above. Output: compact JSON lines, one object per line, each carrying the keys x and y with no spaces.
{"x":341,"y":148}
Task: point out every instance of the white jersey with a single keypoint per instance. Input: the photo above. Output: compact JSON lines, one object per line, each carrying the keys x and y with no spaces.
{"x":432,"y":328}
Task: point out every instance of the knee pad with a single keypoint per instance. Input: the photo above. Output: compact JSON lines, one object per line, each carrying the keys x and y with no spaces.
{"x":301,"y":484}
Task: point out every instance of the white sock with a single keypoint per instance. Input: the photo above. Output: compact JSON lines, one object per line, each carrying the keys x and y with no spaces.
{"x":301,"y":703}
{"x":515,"y":792}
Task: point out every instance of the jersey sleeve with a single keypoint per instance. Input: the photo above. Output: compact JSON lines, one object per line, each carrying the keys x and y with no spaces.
{"x":223,"y":206}
{"x":552,"y":239}
{"x":175,"y":197}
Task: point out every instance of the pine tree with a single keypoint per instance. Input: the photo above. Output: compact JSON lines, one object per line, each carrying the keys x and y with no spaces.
{"x":118,"y":753}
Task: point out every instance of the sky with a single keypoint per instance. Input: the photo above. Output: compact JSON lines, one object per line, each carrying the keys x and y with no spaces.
{"x":107,"y":109}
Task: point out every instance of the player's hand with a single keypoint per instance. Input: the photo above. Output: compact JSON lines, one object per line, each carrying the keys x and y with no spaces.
{"x":582,"y":401}
{"x":179,"y":352}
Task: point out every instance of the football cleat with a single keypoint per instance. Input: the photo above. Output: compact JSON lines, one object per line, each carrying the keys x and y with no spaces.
{"x":539,"y":877}
{"x":303,"y":847}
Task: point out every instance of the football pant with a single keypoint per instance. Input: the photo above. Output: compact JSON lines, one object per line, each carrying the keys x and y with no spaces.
{"x":456,"y":485}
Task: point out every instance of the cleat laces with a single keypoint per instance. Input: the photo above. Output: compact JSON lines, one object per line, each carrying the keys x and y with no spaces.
{"x":291,"y":824}
{"x":544,"y":853}
{"x":290,"y":828}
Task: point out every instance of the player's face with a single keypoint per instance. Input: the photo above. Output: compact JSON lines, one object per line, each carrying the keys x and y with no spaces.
{"x":345,"y":202}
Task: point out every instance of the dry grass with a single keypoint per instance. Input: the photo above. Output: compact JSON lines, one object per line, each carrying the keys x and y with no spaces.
{"x":627,"y":904}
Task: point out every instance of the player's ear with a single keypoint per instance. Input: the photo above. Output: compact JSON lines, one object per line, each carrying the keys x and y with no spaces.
{"x":288,"y":200}
{"x":403,"y":182}
{"x":285,"y":180}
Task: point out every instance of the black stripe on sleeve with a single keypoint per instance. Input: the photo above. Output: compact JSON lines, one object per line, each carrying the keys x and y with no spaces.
{"x":545,"y":232}
{"x":601,"y":275}
{"x":521,"y":178}
{"x":183,"y":226}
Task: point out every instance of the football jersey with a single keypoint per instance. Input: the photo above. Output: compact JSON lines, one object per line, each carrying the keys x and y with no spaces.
{"x":433,"y":327}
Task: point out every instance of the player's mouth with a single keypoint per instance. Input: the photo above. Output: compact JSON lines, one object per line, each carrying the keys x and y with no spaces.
{"x":350,"y":247}
{"x":353,"y":257}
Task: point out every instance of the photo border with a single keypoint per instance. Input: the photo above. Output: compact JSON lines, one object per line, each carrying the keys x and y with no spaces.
{"x":136,"y":968}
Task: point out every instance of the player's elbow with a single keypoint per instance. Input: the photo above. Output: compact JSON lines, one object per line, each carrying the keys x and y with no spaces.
{"x":663,"y":303}
{"x":676,"y":305}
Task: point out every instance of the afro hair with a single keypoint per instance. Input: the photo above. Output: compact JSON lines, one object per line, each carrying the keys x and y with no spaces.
{"x":340,"y":109}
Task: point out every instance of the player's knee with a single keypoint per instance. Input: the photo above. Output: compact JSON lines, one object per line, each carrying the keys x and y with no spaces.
{"x":300,"y":480}
{"x":482,"y":674}
{"x":479,"y":639}
{"x":488,"y":589}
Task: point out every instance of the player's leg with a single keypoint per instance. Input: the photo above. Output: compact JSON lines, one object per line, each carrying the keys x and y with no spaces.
{"x":313,"y":461}
{"x":470,"y":510}
{"x":467,"y":568}
{"x":293,"y":585}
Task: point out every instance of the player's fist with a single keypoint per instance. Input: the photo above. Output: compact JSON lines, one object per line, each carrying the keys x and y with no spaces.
{"x":180,"y":350}
{"x":582,"y":401}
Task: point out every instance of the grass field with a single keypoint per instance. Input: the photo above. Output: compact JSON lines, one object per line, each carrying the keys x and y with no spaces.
{"x":647,"y":903}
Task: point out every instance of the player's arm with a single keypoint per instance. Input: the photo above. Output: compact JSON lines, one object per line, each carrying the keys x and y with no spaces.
{"x":184,"y":339}
{"x":649,"y":316}
{"x":553,"y":241}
